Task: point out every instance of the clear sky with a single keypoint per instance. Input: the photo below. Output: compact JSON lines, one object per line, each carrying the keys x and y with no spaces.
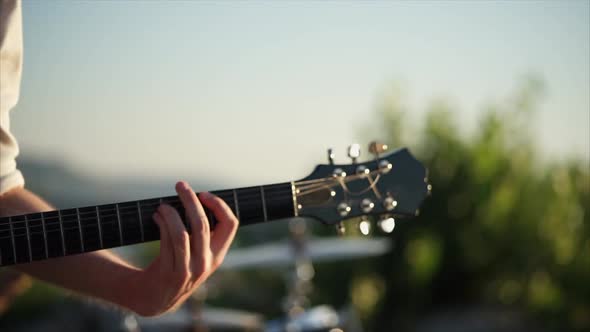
{"x":254,"y":92}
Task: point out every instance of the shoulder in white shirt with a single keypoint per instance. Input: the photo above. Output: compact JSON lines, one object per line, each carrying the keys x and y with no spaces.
{"x":11,"y":56}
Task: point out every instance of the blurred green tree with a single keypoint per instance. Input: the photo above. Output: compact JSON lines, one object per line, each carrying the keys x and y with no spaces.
{"x":502,"y":228}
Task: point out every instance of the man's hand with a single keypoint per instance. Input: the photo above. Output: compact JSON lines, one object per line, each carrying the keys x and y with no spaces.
{"x":185,"y":261}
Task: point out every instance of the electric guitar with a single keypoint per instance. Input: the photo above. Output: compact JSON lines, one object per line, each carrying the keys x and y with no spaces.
{"x":392,"y":185}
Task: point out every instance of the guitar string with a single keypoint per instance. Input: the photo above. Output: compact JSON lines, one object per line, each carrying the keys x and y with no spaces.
{"x":245,"y":200}
{"x":314,"y":188}
{"x":176,"y":200}
{"x":94,"y":220}
{"x":224,"y":192}
{"x":320,"y":184}
{"x":131,"y":231}
{"x":328,"y":179}
{"x":112,"y":241}
{"x":113,"y":238}
{"x":372,"y":181}
{"x":126,"y":226}
{"x":85,"y":216}
{"x":311,"y":181}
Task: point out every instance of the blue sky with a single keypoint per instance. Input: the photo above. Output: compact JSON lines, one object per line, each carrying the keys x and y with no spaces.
{"x":253,"y":92}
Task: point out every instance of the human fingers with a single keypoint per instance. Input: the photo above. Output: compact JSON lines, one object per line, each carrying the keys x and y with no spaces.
{"x":166,"y":252}
{"x":199,"y":224}
{"x":179,"y":239}
{"x":225,"y":230}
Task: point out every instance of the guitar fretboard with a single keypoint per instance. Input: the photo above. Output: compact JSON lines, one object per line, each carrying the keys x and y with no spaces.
{"x":39,"y":236}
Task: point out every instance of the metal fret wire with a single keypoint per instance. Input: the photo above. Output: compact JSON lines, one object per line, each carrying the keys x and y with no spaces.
{"x":98,"y":216}
{"x":250,"y":198}
{"x":99,"y":219}
{"x":315,"y":184}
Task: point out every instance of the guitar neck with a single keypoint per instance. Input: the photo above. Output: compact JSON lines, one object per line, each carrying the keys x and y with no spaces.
{"x":39,"y":236}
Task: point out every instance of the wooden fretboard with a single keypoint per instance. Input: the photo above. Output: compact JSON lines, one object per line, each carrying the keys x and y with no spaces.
{"x":39,"y":236}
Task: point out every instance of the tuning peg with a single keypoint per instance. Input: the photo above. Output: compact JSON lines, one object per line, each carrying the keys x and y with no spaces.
{"x":365,"y":226}
{"x":367,"y":205}
{"x":386,"y":223}
{"x":385,"y":166}
{"x":354,"y":151}
{"x":377,"y":148}
{"x":331,"y":156}
{"x":338,"y":173}
{"x":340,"y":229}
{"x":362,"y":171}
{"x":389,"y":203}
{"x":343,"y":209}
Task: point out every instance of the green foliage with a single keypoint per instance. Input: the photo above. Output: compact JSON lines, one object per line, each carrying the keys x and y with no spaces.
{"x":502,"y":228}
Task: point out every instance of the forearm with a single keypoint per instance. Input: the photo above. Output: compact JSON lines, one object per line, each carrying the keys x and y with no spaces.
{"x":100,"y":274}
{"x":184,"y":263}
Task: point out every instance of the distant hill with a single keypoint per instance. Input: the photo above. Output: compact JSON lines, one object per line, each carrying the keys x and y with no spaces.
{"x":64,"y":187}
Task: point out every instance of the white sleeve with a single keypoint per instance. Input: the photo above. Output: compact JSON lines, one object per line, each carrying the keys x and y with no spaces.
{"x":11,"y":50}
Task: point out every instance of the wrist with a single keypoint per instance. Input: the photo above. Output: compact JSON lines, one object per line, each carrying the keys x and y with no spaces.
{"x":138,"y":294}
{"x":129,"y":294}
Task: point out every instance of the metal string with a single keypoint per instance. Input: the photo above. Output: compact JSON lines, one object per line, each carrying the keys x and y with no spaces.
{"x":248,"y":201}
{"x":331,"y":181}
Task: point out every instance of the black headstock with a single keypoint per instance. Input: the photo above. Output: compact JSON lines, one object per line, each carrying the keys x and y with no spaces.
{"x":391,"y":185}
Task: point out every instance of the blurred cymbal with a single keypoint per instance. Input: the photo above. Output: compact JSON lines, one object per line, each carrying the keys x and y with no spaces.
{"x":320,"y":318}
{"x":324,"y":250}
{"x":214,"y":319}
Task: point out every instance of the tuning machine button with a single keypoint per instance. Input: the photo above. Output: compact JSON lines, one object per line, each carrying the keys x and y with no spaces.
{"x":377,"y":148}
{"x":354,"y":151}
{"x":389,"y":203}
{"x":386,"y":223}
{"x":343,"y":209}
{"x":385,"y":166}
{"x":365,"y":226}
{"x":367,"y":205}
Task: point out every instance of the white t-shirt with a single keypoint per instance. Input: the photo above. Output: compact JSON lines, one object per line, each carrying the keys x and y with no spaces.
{"x":11,"y":58}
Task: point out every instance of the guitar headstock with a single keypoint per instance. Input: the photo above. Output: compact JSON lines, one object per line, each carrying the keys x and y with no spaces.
{"x":390,"y":186}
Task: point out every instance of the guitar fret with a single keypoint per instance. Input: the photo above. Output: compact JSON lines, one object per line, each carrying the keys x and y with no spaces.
{"x":28,"y":238}
{"x":12,"y":238}
{"x":263,"y":203}
{"x":80,"y":229}
{"x":55,"y":231}
{"x":61,"y":229}
{"x":277,"y":201}
{"x":140,"y":222}
{"x":44,"y":235}
{"x":119,"y":222}
{"x":99,"y":228}
{"x":236,"y":203}
{"x":251,"y":205}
